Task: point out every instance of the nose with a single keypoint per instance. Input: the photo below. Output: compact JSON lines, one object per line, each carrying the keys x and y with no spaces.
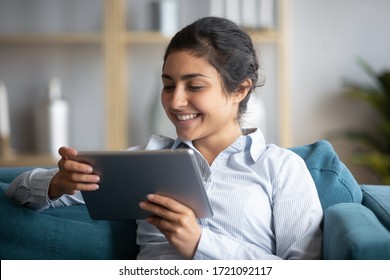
{"x":178,"y":98}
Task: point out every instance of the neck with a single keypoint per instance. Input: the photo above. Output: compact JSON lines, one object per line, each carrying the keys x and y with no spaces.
{"x":211,"y":147}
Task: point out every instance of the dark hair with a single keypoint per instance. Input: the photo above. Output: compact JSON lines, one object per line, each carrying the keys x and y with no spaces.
{"x":226,"y":47}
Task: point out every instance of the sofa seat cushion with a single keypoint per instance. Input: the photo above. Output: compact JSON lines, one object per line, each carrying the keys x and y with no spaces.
{"x":377,"y":198}
{"x":62,"y":233}
{"x":335,"y":183}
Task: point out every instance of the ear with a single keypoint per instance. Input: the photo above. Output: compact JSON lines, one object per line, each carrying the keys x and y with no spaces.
{"x":242,"y":90}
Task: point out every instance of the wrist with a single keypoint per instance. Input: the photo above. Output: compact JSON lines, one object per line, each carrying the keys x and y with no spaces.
{"x":53,"y":191}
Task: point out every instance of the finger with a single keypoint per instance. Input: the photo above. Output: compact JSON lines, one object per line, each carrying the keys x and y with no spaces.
{"x":72,"y":188}
{"x":168,"y":203}
{"x":82,"y":177}
{"x":163,"y":225}
{"x":60,"y":185}
{"x":84,"y":187}
{"x":66,"y":152}
{"x":74,"y":166}
{"x":157,"y":210}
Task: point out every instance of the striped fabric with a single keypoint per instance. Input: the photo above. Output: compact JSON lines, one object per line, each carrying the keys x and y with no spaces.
{"x":264,"y":200}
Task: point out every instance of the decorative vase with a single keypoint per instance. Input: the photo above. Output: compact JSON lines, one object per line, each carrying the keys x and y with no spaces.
{"x":51,"y":121}
{"x":5,"y":127}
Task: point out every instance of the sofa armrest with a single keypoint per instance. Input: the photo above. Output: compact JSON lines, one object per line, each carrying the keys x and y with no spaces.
{"x":352,"y":231}
{"x":377,"y":199}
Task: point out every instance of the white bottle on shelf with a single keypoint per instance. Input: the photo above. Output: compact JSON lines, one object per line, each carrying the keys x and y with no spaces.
{"x":168,"y":17}
{"x":51,"y":121}
{"x":5,"y":130}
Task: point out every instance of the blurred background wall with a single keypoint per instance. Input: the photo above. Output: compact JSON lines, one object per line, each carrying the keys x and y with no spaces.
{"x":324,"y":39}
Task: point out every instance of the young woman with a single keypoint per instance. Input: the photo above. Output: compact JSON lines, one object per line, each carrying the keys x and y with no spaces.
{"x":264,"y":199}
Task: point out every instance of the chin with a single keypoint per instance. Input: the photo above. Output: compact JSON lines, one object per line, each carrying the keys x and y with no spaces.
{"x":184,"y":136}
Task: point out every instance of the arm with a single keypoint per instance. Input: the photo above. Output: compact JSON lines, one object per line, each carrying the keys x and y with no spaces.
{"x":297,"y":212}
{"x":31,"y":190}
{"x":40,"y":189}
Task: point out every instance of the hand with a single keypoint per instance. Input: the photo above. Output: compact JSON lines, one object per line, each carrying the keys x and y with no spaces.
{"x":176,"y":221}
{"x":72,"y":176}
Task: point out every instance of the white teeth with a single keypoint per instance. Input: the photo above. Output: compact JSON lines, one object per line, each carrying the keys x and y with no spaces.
{"x":186,"y":117}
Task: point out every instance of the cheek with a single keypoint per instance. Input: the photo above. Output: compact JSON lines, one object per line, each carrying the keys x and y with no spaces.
{"x":211,"y":104}
{"x":164,"y":101}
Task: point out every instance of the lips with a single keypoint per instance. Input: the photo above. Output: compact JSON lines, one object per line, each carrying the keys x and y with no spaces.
{"x":186,"y":117}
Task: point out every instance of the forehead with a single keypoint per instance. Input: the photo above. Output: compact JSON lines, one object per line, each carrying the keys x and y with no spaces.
{"x":183,"y":62}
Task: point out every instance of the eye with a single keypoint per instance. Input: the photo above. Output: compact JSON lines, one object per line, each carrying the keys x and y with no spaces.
{"x":168,"y":87}
{"x":195,"y":88}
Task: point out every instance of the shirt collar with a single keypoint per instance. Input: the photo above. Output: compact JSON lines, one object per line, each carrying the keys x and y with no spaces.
{"x":181,"y":144}
{"x":256,"y":142}
{"x":251,"y":139}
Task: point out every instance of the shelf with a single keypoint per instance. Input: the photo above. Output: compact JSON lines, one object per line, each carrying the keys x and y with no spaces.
{"x":147,"y":37}
{"x":39,"y":38}
{"x":28,"y":160}
{"x":131,"y":37}
{"x":150,"y":37}
{"x":264,"y":36}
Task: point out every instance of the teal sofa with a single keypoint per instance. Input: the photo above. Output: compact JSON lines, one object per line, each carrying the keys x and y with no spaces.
{"x":356,"y":221}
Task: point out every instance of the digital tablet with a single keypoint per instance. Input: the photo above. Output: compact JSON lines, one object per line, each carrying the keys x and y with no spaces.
{"x":126,"y":177}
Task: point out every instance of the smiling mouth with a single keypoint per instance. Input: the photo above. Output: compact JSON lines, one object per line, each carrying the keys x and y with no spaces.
{"x":186,"y":117}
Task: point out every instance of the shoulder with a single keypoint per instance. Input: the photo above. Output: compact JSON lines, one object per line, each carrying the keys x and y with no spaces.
{"x":279,"y":162}
{"x":279,"y":155}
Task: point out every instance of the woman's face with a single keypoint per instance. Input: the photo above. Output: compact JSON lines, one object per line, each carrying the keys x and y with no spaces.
{"x":194,"y":99}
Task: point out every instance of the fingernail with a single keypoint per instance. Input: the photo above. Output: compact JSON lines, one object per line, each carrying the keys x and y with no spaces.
{"x":150,"y":196}
{"x":141,"y":204}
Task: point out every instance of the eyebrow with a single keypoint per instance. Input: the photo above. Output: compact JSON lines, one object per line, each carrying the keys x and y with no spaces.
{"x":185,"y":77}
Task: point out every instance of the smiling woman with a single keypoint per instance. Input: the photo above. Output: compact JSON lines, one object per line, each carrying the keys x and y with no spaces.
{"x":263,"y":197}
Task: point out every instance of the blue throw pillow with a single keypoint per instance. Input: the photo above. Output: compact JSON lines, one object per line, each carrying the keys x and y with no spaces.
{"x":335,"y":183}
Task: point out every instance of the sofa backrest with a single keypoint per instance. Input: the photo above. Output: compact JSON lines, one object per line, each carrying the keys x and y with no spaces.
{"x":335,"y":183}
{"x":7,"y":174}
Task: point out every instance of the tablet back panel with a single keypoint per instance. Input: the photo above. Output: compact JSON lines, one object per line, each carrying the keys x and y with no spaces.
{"x":126,"y":178}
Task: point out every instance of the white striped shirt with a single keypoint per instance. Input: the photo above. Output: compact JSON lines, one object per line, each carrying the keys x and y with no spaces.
{"x":263,"y":197}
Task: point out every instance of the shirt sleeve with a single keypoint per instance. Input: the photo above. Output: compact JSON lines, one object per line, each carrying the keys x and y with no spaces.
{"x":297,"y":211}
{"x":31,"y":190}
